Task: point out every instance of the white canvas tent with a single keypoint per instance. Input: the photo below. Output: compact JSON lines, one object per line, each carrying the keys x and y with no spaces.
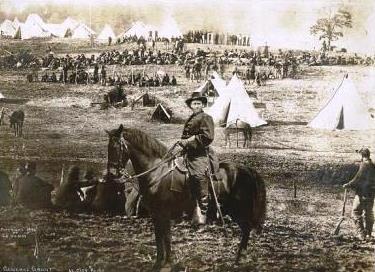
{"x":7,"y":28}
{"x":82,"y":31}
{"x":70,"y":23}
{"x":35,"y":18}
{"x":218,"y":85}
{"x":106,"y":33}
{"x":58,"y":30}
{"x":344,"y":110}
{"x":140,"y":29}
{"x":2,"y":96}
{"x":235,"y":105}
{"x":169,"y":28}
{"x":30,"y":30}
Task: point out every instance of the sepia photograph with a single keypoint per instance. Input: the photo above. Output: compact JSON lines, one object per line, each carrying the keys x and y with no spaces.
{"x":187,"y":136}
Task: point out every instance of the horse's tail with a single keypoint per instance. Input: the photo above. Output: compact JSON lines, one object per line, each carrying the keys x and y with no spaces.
{"x":259,"y":203}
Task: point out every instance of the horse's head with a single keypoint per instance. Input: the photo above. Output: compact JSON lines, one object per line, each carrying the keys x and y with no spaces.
{"x":118,"y":152}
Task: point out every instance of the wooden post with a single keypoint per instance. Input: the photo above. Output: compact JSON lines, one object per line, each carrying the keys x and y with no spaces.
{"x":2,"y":116}
{"x":62,"y":175}
{"x":295,"y":188}
{"x":132,"y":77}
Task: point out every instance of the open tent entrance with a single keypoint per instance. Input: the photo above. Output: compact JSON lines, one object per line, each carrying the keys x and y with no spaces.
{"x":340,"y":124}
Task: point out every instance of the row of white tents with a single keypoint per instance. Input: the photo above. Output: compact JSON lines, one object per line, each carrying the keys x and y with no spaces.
{"x":35,"y":27}
{"x":168,"y":29}
{"x":344,"y":110}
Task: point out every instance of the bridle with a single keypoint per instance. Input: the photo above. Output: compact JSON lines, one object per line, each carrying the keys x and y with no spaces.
{"x":119,"y":164}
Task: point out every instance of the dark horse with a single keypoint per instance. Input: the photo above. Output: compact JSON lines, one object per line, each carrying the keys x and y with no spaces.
{"x":246,"y":188}
{"x":16,"y":122}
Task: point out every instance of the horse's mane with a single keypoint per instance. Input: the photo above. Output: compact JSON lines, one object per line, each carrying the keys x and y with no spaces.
{"x":149,"y":145}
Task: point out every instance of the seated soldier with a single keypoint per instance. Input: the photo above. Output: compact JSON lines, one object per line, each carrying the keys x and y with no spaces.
{"x":197,"y":136}
{"x":156,"y":82}
{"x":53,"y":77}
{"x":45,"y":78}
{"x":173,"y":81}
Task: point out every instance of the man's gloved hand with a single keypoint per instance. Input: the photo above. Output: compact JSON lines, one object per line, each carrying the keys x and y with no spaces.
{"x":184,"y":142}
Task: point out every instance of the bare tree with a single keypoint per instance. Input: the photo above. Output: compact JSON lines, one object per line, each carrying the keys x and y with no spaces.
{"x":330,"y":28}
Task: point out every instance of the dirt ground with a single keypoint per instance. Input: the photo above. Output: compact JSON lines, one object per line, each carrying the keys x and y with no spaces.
{"x":62,"y":129}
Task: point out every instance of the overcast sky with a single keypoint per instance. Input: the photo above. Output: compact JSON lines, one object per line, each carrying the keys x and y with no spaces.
{"x":280,"y":23}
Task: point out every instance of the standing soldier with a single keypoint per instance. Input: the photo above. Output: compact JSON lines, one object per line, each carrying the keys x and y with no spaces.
{"x":363,"y":184}
{"x":197,"y":136}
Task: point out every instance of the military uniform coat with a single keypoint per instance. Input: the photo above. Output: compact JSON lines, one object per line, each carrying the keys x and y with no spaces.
{"x":201,"y":126}
{"x":364,"y":181}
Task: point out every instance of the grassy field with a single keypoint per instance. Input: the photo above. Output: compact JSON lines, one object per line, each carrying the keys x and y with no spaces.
{"x":62,"y":129}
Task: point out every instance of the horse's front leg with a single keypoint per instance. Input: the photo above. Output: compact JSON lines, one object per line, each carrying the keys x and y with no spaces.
{"x":245,"y":139}
{"x":159,"y":245}
{"x":167,"y":262}
{"x":227,"y":140}
{"x":249,"y":139}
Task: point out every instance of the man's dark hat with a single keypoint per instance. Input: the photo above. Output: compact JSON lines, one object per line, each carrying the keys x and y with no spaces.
{"x":365,"y":152}
{"x":196,"y":96}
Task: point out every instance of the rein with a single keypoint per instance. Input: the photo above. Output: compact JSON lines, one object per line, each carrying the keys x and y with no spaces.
{"x":164,"y":159}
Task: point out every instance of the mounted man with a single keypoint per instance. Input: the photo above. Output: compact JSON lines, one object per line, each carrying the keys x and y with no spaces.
{"x":198,"y":134}
{"x":363,"y":184}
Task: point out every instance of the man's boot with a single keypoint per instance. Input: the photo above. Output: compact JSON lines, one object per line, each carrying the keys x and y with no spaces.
{"x":201,"y":199}
{"x":360,"y":228}
{"x":369,"y":231}
{"x":200,"y":211}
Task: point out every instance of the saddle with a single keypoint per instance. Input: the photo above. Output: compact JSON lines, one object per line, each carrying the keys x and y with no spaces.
{"x":181,"y":165}
{"x":179,"y":185}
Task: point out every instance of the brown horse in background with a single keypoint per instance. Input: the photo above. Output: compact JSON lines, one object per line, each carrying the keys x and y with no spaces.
{"x":246,"y":196}
{"x":244,"y":128}
{"x":16,"y":120}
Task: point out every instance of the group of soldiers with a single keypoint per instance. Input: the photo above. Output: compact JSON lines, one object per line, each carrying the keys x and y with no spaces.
{"x":142,"y":80}
{"x":258,"y":65}
{"x":99,"y":75}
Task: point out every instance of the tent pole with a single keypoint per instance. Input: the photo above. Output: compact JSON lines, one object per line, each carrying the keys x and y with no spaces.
{"x":237,"y":131}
